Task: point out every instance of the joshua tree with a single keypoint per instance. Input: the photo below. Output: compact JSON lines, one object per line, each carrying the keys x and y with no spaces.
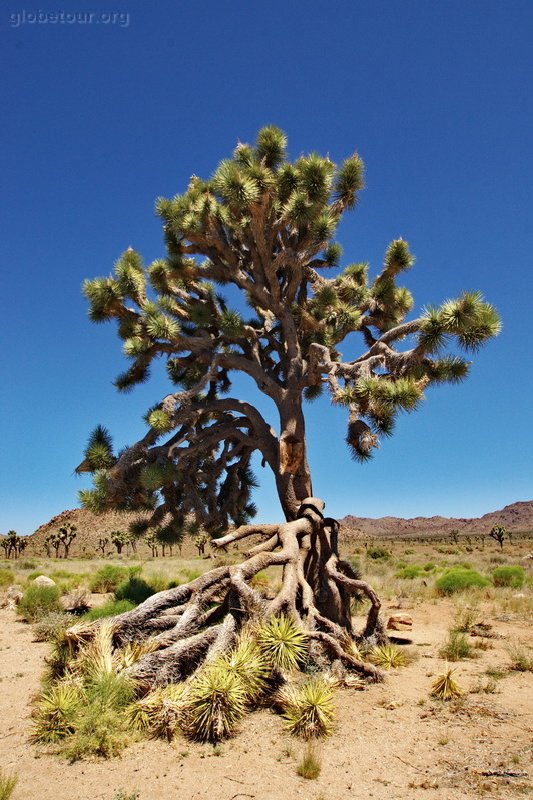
{"x":67,"y":534}
{"x":55,"y":541}
{"x":150,"y":539}
{"x":12,"y":544}
{"x":200,"y":541}
{"x":119,"y":539}
{"x":498,"y":533}
{"x":103,"y":541}
{"x":264,"y":227}
{"x":455,"y":536}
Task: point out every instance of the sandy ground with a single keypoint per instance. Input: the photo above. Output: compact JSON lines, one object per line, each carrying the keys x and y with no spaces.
{"x":391,"y":740}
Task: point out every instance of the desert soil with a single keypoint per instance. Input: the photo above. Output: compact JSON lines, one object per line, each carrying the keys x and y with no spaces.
{"x":391,"y":740}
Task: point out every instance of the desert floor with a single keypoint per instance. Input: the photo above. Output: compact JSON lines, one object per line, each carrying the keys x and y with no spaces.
{"x":391,"y":740}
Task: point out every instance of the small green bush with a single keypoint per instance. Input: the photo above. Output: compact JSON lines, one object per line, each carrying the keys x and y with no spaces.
{"x":409,"y":572}
{"x":27,"y":565}
{"x":109,"y":609}
{"x":134,"y":589}
{"x":378,"y":553}
{"x":7,"y":577}
{"x":38,"y":602}
{"x":108,"y":578}
{"x":456,"y":647}
{"x":430,"y":566}
{"x":509,"y":576}
{"x":458,"y":579}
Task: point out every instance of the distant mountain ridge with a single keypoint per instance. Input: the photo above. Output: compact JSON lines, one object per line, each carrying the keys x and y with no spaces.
{"x":91,"y":527}
{"x":515,"y":517}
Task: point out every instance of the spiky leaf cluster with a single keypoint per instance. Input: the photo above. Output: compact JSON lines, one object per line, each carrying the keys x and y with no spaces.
{"x":265,"y":226}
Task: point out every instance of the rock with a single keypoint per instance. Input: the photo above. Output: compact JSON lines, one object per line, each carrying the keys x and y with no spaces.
{"x":400,"y":622}
{"x":44,"y":580}
{"x":11,"y":597}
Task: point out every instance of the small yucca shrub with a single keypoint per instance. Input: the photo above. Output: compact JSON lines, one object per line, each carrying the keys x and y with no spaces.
{"x":216,"y":702}
{"x":308,"y":709}
{"x":57,"y":713}
{"x":444,"y":687}
{"x":247,"y":661}
{"x":387,"y":656}
{"x":159,"y":713}
{"x":282,"y":642}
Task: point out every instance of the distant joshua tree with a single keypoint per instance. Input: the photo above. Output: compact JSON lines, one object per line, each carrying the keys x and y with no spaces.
{"x":498,"y":533}
{"x":67,"y":534}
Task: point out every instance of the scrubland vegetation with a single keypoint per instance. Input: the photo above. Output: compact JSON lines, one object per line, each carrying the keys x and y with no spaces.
{"x":89,"y":707}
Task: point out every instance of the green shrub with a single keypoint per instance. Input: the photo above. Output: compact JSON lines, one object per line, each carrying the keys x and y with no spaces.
{"x":7,"y":577}
{"x":456,"y":647}
{"x":108,"y":578}
{"x":109,"y":609}
{"x":458,"y":579}
{"x":378,"y":553}
{"x":36,"y":574}
{"x":509,"y":576}
{"x":134,"y":589}
{"x":38,"y":602}
{"x":27,"y":564}
{"x":409,"y":572}
{"x":430,"y":566}
{"x":48,"y":628}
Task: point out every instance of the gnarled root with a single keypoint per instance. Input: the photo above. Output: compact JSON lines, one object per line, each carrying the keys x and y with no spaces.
{"x":191,"y":624}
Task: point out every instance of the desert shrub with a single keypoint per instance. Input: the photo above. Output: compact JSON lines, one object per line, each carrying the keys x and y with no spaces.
{"x":521,"y":657}
{"x":216,"y":702}
{"x":159,"y":712}
{"x":27,"y":564}
{"x":108,"y":577}
{"x":458,"y":579}
{"x":109,"y":609}
{"x":308,"y":709}
{"x":247,"y":662}
{"x":430,"y":566}
{"x":378,"y":553}
{"x":7,"y":576}
{"x":309,"y":767}
{"x":465,"y":617}
{"x":38,"y":602}
{"x":409,"y":572}
{"x":387,"y":656}
{"x":509,"y":576}
{"x":48,"y":628}
{"x":282,"y":643}
{"x":135,"y":589}
{"x":444,"y":687}
{"x":456,"y":647}
{"x":35,"y":574}
{"x":56,"y":713}
{"x":7,"y":785}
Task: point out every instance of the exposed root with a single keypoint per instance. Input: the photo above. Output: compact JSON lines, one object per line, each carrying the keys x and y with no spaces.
{"x":192,"y":624}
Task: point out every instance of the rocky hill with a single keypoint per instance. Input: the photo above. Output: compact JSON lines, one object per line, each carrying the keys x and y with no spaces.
{"x":517,"y":517}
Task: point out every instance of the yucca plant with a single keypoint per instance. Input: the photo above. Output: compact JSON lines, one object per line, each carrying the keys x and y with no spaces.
{"x":246,"y":660}
{"x":132,"y":651}
{"x":284,"y":645}
{"x":387,"y":656}
{"x":444,"y":687}
{"x":308,"y":709}
{"x":57,"y":712}
{"x":159,"y":712}
{"x":98,"y":657}
{"x":216,"y":702}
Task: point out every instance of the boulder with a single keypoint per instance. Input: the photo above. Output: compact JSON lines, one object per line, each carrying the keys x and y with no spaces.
{"x":400,"y":622}
{"x":44,"y":580}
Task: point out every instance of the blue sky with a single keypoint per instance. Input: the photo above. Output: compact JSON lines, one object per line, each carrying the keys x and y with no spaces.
{"x":100,"y":118}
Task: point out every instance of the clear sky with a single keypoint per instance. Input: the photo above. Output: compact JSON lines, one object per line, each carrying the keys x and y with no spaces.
{"x":101,"y":117}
